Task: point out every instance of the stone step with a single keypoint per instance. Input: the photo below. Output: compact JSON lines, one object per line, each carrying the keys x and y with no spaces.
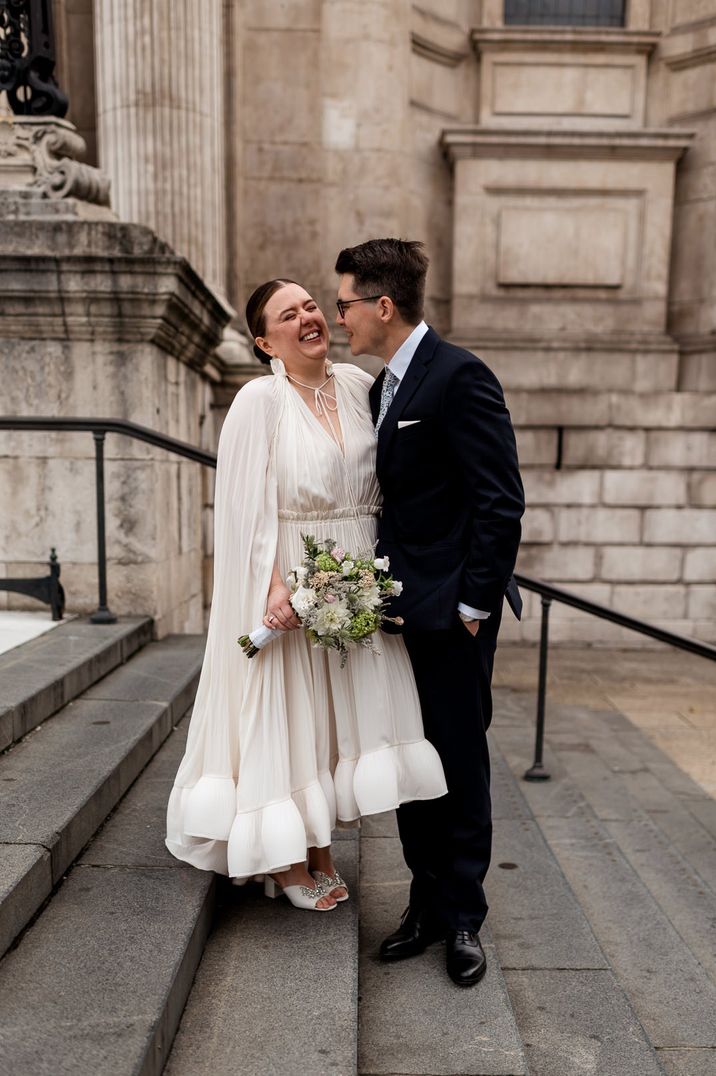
{"x":97,"y":984}
{"x":566,"y":997}
{"x":59,"y":784}
{"x":412,"y":1019}
{"x":648,"y":906}
{"x":41,"y":676}
{"x":276,"y":991}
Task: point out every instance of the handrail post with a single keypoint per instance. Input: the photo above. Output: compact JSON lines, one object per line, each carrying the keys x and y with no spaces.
{"x":537,"y":772}
{"x":103,"y":614}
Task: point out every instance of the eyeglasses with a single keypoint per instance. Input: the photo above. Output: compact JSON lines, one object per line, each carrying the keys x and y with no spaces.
{"x":343,"y":303}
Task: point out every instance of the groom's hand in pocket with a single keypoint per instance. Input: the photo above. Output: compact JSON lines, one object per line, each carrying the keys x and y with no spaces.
{"x":473,"y":626}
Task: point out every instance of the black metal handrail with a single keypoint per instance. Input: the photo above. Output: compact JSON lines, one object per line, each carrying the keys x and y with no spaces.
{"x":548,"y":594}
{"x":99,"y":427}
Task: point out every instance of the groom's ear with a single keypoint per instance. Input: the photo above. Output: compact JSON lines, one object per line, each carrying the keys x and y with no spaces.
{"x":386,"y":308}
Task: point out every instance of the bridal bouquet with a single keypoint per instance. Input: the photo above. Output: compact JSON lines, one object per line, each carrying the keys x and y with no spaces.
{"x":339,"y":599}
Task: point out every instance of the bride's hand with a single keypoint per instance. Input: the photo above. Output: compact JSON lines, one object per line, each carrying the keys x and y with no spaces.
{"x":279,"y":611}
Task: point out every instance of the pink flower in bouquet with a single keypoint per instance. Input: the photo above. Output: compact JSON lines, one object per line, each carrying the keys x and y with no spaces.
{"x":338,"y":553}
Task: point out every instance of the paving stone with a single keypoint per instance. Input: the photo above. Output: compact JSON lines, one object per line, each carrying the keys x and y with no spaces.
{"x":25,"y":881}
{"x":44,"y":674}
{"x":134,"y":834}
{"x":688,"y":1062}
{"x":507,"y":800}
{"x":276,"y":983}
{"x":680,"y":892}
{"x":164,"y":672}
{"x":6,"y":727}
{"x":380,"y":825}
{"x":409,"y":1011}
{"x":575,"y":1022}
{"x":59,"y":784}
{"x":534,"y":917}
{"x":669,"y":989}
{"x":99,"y":981}
{"x":382,"y":862}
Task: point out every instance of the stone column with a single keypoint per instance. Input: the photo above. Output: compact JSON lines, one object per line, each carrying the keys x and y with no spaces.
{"x":160,"y":106}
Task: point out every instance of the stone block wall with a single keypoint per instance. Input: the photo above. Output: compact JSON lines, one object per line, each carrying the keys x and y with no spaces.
{"x":625,"y":516}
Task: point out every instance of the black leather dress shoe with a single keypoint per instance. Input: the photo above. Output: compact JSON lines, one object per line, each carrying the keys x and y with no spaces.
{"x":466,"y":962}
{"x":416,"y":932}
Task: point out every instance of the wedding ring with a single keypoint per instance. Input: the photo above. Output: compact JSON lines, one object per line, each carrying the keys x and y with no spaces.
{"x":272,"y":618}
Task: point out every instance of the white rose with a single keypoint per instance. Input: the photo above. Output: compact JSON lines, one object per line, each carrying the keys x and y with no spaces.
{"x":329,"y":619}
{"x":397,"y":588}
{"x":382,"y":563}
{"x":303,"y":600}
{"x":347,"y":567}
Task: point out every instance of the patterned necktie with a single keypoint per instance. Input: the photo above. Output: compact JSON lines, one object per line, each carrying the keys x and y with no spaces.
{"x":390,"y":383}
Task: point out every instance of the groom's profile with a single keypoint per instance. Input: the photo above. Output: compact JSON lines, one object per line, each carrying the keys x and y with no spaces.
{"x":453,"y":500}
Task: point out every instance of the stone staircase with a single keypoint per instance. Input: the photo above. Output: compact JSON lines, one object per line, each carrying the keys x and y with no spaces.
{"x":120,"y":960}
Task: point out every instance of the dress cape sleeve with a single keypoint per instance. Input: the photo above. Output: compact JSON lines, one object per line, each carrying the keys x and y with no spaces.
{"x":245,"y":539}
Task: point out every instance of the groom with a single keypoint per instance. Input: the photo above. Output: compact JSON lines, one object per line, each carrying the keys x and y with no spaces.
{"x":453,"y":499}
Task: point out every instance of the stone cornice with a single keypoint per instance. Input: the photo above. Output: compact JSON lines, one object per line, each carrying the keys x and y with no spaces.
{"x":440,"y":40}
{"x":642,"y":145}
{"x":135,"y":289}
{"x":691,"y":49}
{"x":551,"y":38}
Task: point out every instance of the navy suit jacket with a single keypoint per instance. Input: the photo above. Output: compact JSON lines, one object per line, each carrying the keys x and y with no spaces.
{"x":453,"y":496}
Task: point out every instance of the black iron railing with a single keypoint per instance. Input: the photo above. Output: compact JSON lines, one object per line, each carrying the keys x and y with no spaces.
{"x":99,"y":427}
{"x":46,"y":588}
{"x":549,"y":594}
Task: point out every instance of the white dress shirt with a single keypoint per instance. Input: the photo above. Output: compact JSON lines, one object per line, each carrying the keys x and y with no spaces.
{"x":398,"y":366}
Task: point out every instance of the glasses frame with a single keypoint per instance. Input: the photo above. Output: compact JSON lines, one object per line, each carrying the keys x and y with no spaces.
{"x":341,"y":304}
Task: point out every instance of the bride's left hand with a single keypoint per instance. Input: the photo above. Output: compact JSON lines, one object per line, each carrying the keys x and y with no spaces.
{"x":279,"y":611}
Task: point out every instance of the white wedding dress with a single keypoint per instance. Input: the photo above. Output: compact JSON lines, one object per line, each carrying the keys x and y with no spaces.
{"x":283,"y":744}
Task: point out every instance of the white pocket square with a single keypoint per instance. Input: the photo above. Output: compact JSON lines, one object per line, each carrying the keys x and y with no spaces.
{"x":408,"y":422}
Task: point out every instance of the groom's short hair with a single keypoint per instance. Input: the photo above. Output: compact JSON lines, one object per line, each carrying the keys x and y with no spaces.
{"x":393,"y":267}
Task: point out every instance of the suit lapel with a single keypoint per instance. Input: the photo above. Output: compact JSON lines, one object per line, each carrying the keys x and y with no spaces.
{"x":419,"y":365}
{"x":374,"y":395}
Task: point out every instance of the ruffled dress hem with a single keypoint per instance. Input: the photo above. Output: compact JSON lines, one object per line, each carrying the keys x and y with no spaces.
{"x":205,"y":829}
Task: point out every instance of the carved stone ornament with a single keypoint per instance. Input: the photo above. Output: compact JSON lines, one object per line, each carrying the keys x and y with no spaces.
{"x":38,"y":153}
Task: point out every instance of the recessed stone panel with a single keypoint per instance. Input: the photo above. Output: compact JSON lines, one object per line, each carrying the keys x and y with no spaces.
{"x":563,"y":88}
{"x":568,"y":245}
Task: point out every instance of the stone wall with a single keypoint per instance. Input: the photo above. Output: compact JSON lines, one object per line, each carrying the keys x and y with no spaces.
{"x":102,"y":319}
{"x":563,"y":181}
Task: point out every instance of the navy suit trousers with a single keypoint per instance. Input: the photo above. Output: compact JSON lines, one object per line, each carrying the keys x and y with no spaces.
{"x":447,"y":842}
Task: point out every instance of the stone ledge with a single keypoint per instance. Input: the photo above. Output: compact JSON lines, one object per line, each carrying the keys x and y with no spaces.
{"x":568,"y":38}
{"x":650,"y":144}
{"x":119,"y":282}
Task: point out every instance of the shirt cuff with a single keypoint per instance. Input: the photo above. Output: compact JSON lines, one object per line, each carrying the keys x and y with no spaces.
{"x":476,"y":614}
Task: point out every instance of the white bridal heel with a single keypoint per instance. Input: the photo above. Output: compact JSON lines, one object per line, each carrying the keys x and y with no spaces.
{"x":329,"y":882}
{"x":299,"y":895}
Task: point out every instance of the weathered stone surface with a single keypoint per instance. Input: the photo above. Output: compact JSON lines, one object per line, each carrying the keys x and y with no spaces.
{"x":58,"y":785}
{"x":25,"y":881}
{"x":284,"y":981}
{"x":117,"y":949}
{"x":46,"y":673}
{"x":400,"y":1006}
{"x":579,"y":1021}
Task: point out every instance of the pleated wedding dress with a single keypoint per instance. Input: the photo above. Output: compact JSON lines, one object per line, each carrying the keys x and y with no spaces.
{"x":282,"y":745}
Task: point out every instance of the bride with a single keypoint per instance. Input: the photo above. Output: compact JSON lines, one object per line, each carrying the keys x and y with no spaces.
{"x":283,"y":745}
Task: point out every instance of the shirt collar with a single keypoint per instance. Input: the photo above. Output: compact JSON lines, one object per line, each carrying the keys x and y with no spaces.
{"x":400,"y":362}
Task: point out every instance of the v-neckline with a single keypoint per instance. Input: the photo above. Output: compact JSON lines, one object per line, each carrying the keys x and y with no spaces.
{"x":342,"y":446}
